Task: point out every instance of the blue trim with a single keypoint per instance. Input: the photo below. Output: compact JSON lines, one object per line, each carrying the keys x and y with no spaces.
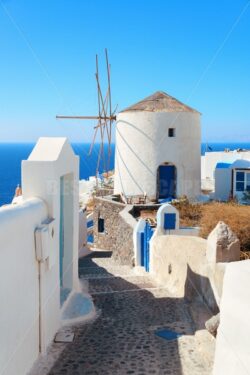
{"x":169,"y":221}
{"x":90,"y":223}
{"x":142,"y":248}
{"x":90,"y":238}
{"x":223,"y":165}
{"x":148,"y":233}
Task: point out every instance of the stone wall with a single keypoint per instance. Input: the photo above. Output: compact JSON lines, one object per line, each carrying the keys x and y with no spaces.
{"x":102,"y":192}
{"x":118,"y":229}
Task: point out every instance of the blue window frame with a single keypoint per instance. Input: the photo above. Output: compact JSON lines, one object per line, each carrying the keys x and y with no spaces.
{"x":242,"y":181}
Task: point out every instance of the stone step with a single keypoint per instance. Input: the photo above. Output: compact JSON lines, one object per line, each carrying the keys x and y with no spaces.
{"x":116,"y":283}
{"x":93,"y":272}
{"x":106,"y":267}
{"x":101,"y":272}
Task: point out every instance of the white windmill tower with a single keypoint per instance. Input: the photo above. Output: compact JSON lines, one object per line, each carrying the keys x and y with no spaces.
{"x":158,"y":149}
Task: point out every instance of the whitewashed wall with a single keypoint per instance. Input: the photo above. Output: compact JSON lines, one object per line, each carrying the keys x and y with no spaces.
{"x":180,"y":263}
{"x":142,"y":145}
{"x":210,"y":159}
{"x":30,"y":290}
{"x":139,"y":228}
{"x":232,"y":354}
{"x":51,"y":159}
{"x":223,"y":183}
{"x":19,"y":286}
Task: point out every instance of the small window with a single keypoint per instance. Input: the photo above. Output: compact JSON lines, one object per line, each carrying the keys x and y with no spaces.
{"x":101,"y":225}
{"x":171,"y":132}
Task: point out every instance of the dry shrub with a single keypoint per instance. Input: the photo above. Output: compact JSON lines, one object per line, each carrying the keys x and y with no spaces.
{"x":244,"y":255}
{"x":207,"y":216}
{"x":236,"y":216}
{"x":190,"y":214}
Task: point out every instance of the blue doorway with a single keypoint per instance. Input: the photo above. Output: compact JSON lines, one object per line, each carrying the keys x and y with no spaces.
{"x":145,"y":238}
{"x":166,"y":181}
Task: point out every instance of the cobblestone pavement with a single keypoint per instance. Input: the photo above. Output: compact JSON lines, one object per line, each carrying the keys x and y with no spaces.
{"x":122,"y":340}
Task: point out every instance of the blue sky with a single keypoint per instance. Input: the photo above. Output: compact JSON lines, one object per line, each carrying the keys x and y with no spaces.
{"x":197,"y":51}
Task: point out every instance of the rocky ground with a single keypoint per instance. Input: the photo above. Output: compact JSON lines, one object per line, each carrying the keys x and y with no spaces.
{"x":121,"y":339}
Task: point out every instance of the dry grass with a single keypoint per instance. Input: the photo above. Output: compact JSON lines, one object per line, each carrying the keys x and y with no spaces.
{"x":190,"y":214}
{"x":236,"y":216}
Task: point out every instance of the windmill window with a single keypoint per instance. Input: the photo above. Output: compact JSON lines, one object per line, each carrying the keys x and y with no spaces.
{"x":101,"y":225}
{"x":171,"y":132}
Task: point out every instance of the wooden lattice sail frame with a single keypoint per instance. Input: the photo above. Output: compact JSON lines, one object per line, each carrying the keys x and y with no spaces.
{"x":105,"y":118}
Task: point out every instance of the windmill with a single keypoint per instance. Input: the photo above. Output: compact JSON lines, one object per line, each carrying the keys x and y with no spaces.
{"x":105,"y":118}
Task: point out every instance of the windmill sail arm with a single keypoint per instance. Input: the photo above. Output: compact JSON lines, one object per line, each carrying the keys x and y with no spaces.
{"x":59,"y":117}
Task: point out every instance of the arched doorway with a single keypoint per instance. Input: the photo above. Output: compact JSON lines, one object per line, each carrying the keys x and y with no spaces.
{"x":166,"y":181}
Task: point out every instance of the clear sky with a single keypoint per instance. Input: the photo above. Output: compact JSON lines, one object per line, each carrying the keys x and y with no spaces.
{"x":197,"y":51}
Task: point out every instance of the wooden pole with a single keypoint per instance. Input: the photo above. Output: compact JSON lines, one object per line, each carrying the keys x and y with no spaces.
{"x":110,"y":106}
{"x":96,"y":129}
{"x":104,"y":118}
{"x":100,"y":101}
{"x":60,"y":117}
{"x":104,"y":109}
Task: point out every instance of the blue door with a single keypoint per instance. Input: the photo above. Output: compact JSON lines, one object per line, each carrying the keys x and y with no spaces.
{"x":145,"y":238}
{"x":166,"y":181}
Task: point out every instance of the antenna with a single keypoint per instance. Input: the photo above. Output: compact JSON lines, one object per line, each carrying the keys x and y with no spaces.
{"x":106,"y":117}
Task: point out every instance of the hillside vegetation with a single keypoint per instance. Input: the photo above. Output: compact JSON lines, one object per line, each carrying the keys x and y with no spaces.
{"x":207,"y":215}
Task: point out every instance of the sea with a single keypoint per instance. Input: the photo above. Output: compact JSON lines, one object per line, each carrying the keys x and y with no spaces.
{"x":12,"y":154}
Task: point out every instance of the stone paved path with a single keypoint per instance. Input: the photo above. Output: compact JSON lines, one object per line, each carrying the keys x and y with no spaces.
{"x":122,"y":339}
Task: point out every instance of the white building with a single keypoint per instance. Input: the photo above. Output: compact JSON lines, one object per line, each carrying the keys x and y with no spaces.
{"x":158,"y":149}
{"x":39,"y":254}
{"x":211,"y":159}
{"x":232,"y":180}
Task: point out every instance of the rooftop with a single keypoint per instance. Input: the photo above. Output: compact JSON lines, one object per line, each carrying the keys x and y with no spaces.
{"x":160,"y":102}
{"x":49,"y":149}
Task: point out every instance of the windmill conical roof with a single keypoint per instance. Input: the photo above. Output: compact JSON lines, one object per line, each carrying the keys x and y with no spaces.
{"x":160,"y":102}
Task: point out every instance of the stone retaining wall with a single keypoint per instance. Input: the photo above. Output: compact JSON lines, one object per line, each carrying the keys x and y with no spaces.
{"x":118,"y":229}
{"x":102,"y":192}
